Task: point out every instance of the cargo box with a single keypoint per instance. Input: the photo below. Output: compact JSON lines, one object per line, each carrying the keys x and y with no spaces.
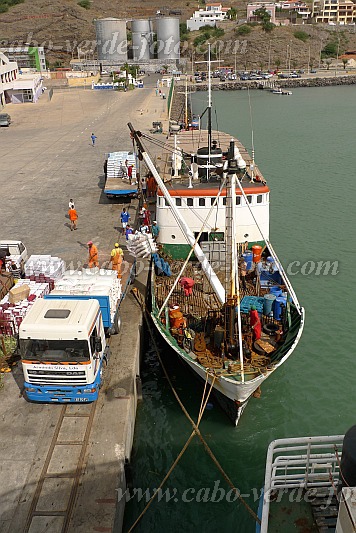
{"x":17,"y":294}
{"x":6,"y":282}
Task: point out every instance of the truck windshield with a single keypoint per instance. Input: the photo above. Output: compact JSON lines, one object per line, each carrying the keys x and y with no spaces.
{"x":54,"y":350}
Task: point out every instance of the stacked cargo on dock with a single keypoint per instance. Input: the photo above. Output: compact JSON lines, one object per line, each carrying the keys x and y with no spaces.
{"x":17,"y":302}
{"x":118,"y":162}
{"x":44,"y":269}
{"x":102,"y":285}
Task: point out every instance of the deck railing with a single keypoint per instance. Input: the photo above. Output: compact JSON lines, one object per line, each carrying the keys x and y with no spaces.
{"x":305,"y":463}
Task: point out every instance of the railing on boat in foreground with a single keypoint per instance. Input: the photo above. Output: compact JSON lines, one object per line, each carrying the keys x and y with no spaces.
{"x":305,"y":463}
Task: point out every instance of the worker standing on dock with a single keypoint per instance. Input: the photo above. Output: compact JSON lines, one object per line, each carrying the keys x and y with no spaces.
{"x":93,"y":138}
{"x":73,"y":217}
{"x":117,"y":256}
{"x":125,"y":218}
{"x":93,"y":255}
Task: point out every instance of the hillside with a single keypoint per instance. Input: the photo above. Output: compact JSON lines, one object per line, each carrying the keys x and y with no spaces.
{"x":62,"y":25}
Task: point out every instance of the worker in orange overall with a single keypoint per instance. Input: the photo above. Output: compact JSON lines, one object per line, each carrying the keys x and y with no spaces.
{"x":73,"y":217}
{"x":117,"y":256}
{"x":93,"y":255}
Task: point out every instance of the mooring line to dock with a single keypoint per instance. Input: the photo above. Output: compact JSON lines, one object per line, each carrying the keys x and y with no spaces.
{"x":140,"y":299}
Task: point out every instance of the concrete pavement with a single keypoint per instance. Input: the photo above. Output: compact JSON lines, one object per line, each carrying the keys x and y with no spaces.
{"x":46,"y":158}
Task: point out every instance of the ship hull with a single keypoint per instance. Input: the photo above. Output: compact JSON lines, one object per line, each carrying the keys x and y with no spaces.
{"x":231,"y":395}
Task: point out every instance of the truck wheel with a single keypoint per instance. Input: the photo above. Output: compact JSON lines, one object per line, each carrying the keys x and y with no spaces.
{"x":117,"y":324}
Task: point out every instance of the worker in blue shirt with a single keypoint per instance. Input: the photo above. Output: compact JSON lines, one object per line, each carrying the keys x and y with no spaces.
{"x":125,"y":218}
{"x":93,"y":137}
{"x":128,"y":231}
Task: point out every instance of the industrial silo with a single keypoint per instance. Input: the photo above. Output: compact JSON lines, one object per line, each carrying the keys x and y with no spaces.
{"x":168,"y":42}
{"x":111,"y":39}
{"x":141,"y":39}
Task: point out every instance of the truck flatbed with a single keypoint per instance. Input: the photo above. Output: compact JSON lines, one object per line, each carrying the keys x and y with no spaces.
{"x":119,"y":187}
{"x":117,"y":182}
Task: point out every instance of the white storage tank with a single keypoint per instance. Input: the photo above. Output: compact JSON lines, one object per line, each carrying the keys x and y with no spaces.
{"x":168,"y":41}
{"x":142,"y":38}
{"x":111,"y":39}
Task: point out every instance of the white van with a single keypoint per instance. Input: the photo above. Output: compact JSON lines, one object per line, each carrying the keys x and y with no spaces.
{"x":15,"y":251}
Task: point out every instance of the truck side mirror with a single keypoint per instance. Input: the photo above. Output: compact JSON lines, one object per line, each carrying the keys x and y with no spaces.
{"x":98,"y":344}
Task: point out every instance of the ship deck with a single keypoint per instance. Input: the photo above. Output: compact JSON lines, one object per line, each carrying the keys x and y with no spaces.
{"x":190,"y":141}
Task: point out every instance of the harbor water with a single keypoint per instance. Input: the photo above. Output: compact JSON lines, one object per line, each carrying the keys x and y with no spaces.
{"x":304,"y":145}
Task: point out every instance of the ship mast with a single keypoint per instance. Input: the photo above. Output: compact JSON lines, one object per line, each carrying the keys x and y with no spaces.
{"x":209,"y":111}
{"x":206,"y":267}
{"x":232,"y":277}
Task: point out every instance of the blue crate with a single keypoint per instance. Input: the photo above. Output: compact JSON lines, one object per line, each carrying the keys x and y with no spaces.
{"x":248,"y":301}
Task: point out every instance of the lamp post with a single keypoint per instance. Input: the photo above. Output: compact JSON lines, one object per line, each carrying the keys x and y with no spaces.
{"x":269,"y":56}
{"x":290,"y":55}
{"x":309,"y":61}
{"x":337,"y":54}
{"x":321,"y":46}
{"x":287,"y":57}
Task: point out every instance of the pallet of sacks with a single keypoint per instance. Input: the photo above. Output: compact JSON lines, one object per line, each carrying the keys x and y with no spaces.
{"x":91,"y":282}
{"x":44,"y":269}
{"x":16,"y":303}
{"x":141,"y":245}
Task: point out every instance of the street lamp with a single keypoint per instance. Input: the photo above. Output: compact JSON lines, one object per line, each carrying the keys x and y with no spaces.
{"x":321,"y":46}
{"x":290,"y":55}
{"x":337,"y":54}
{"x":287,"y":57}
{"x":269,"y":56}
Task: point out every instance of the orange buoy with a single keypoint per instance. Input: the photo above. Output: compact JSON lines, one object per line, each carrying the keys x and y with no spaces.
{"x":257,"y":253}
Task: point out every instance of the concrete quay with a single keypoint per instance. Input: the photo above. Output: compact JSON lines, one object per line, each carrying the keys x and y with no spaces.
{"x":47,"y":158}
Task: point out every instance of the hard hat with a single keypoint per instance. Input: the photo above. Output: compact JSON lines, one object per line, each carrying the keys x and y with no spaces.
{"x":90,"y":242}
{"x":116,"y":245}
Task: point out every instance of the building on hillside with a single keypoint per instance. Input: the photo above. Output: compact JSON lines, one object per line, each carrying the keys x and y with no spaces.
{"x":270,"y":8}
{"x":334,"y":11}
{"x":29,"y":57}
{"x":295,"y":9}
{"x":8,"y":74}
{"x":209,"y":16}
{"x":350,"y":57}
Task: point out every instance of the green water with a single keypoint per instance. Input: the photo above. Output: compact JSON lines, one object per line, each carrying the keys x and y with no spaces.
{"x":305,"y":147}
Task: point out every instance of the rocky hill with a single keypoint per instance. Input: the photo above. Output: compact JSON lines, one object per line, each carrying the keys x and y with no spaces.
{"x":61,"y":26}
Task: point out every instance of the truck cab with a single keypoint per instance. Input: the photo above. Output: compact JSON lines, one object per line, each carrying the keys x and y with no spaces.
{"x":63,"y":350}
{"x":16,"y":254}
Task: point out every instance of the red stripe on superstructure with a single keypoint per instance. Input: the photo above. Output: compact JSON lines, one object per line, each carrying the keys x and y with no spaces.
{"x":213,"y":192}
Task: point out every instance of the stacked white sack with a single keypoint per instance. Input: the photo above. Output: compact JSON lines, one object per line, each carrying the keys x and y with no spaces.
{"x":40,"y":266}
{"x":141,"y":245}
{"x":91,"y":282}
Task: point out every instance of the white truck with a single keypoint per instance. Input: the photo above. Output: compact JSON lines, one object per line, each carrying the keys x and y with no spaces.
{"x":63,"y":336}
{"x":16,"y":255}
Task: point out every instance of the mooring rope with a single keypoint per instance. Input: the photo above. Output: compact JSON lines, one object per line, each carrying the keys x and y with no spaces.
{"x":196,"y":431}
